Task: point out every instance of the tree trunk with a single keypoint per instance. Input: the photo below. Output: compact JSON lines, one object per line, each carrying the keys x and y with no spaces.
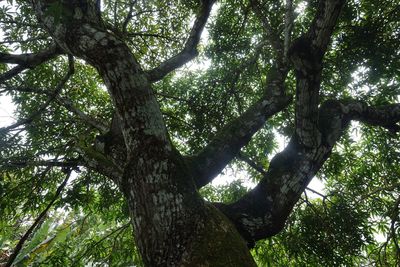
{"x":173,"y":225}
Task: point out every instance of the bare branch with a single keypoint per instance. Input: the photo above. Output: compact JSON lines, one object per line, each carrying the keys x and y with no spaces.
{"x":190,"y":50}
{"x":41,"y":216}
{"x":128,"y":17}
{"x":26,"y":61}
{"x":65,"y":102}
{"x":47,"y":163}
{"x":43,"y":107}
{"x":251,"y":163}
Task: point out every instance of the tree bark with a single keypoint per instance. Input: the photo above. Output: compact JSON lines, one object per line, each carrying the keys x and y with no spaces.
{"x":173,"y":226}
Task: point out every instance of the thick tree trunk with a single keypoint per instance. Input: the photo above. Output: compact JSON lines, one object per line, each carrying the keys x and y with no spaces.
{"x":173,"y":226}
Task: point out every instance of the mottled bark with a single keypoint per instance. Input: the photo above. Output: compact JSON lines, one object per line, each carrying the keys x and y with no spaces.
{"x":225,"y":146}
{"x":263,"y":211}
{"x":173,"y":225}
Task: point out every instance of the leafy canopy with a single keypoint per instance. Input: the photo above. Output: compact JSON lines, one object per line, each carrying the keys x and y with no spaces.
{"x":355,"y":221}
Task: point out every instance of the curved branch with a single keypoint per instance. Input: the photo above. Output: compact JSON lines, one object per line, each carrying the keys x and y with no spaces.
{"x":263,"y":211}
{"x":236,"y":134}
{"x":190,"y":50}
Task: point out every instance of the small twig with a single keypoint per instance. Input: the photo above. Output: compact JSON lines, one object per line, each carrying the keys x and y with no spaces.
{"x":251,"y":163}
{"x":316,"y":192}
{"x":66,"y":103}
{"x":46,"y":163}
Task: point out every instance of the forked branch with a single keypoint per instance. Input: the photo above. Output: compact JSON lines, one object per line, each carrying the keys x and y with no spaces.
{"x":230,"y":139}
{"x":263,"y":211}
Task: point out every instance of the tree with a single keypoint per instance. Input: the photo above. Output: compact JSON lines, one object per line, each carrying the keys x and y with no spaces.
{"x":103,"y":95}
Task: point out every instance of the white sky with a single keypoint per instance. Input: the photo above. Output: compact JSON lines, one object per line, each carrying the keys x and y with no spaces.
{"x":6,"y":111}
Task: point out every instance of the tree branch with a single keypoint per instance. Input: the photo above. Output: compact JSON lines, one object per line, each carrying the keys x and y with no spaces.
{"x":48,"y":163}
{"x":26,"y":61}
{"x":289,"y":19}
{"x":263,"y":211}
{"x":306,"y":55}
{"x":21,"y":242}
{"x":251,"y":163}
{"x":236,"y":134}
{"x":386,"y":116}
{"x":190,"y":50}
{"x":65,"y":102}
{"x":128,"y":17}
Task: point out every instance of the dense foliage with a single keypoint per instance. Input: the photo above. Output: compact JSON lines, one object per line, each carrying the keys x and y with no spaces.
{"x":355,"y":221}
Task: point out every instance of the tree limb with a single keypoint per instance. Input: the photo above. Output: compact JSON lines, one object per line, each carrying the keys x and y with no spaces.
{"x":251,"y":163}
{"x":26,"y":61}
{"x":48,"y":163}
{"x":65,"y":102}
{"x":272,"y":35}
{"x":289,"y":20}
{"x":263,"y":211}
{"x":306,"y":54}
{"x":190,"y":50}
{"x":236,"y":134}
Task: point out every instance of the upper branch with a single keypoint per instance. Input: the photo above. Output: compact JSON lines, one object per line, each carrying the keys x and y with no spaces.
{"x":26,"y":61}
{"x":190,"y":50}
{"x":263,"y":211}
{"x":236,"y":134}
{"x":289,"y":20}
{"x":272,"y":35}
{"x":95,"y":123}
{"x":306,"y":55}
